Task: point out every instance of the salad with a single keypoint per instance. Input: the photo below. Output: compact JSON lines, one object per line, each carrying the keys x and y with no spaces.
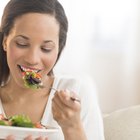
{"x":32,"y":79}
{"x":19,"y":121}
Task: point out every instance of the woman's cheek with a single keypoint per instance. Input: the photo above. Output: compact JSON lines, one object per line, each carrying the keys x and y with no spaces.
{"x":13,"y":53}
{"x":50,"y":62}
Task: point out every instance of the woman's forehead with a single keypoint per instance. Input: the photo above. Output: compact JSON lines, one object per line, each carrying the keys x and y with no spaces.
{"x":36,"y":23}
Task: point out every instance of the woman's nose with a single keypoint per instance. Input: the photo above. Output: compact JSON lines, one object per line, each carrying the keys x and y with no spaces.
{"x":32,"y":57}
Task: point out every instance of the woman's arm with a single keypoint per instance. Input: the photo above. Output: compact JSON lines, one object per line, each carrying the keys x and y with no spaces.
{"x":75,"y":133}
{"x":67,"y":113}
{"x":80,"y":121}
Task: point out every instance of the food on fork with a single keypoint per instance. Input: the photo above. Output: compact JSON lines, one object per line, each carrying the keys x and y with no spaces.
{"x":32,"y":79}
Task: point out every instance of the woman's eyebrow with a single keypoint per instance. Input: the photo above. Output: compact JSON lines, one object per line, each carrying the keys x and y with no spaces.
{"x":25,"y":37}
{"x":48,"y":41}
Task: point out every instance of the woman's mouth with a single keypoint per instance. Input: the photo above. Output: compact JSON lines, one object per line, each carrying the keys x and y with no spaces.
{"x":24,"y":69}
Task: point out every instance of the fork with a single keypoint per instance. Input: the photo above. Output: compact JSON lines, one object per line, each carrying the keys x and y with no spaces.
{"x":72,"y":98}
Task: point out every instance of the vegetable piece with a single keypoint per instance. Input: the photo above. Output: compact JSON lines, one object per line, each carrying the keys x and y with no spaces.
{"x":21,"y":121}
{"x":3,"y":122}
{"x":32,"y":79}
{"x":38,"y":125}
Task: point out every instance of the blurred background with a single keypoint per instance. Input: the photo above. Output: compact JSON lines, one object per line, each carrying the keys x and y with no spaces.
{"x":104,"y":43}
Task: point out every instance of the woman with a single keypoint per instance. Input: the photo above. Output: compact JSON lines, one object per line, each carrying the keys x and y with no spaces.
{"x":33,"y":35}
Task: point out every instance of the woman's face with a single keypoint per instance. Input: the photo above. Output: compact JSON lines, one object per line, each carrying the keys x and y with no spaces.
{"x":33,"y":43}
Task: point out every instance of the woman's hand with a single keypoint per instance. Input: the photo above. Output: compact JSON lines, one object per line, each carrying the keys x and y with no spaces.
{"x":11,"y":137}
{"x":65,"y":110}
{"x":67,"y":113}
{"x":39,"y":138}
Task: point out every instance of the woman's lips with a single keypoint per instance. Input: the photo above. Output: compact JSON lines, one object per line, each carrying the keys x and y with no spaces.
{"x":24,"y":69}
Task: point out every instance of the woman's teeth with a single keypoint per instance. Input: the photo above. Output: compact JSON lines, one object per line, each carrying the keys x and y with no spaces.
{"x":27,"y":69}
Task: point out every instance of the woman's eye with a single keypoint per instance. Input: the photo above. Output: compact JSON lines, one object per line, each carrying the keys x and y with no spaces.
{"x":20,"y":45}
{"x":46,"y":50}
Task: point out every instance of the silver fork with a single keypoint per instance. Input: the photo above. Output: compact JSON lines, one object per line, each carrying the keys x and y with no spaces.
{"x":72,"y":98}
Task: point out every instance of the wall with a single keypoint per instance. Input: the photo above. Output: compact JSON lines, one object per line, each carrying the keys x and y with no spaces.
{"x":111,"y":40}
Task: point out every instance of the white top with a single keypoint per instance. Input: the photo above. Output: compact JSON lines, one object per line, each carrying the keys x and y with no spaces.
{"x":90,"y":112}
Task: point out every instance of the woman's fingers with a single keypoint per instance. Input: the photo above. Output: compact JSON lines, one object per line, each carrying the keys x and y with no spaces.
{"x":57,"y":110}
{"x":31,"y":138}
{"x":65,"y":97}
{"x":41,"y":138}
{"x":56,"y":100}
{"x":28,"y":137}
{"x":65,"y":111}
{"x":10,"y":137}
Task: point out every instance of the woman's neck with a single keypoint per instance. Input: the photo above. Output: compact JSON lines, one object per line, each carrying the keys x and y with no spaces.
{"x":16,"y":100}
{"x":13,"y":92}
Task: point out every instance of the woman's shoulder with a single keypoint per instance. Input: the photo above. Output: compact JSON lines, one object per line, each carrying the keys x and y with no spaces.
{"x":83,"y":85}
{"x":73,"y":77}
{"x":67,"y":78}
{"x":74,"y":82}
{"x":66,"y":81}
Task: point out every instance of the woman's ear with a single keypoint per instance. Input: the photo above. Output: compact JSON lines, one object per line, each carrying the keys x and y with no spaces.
{"x":4,"y":44}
